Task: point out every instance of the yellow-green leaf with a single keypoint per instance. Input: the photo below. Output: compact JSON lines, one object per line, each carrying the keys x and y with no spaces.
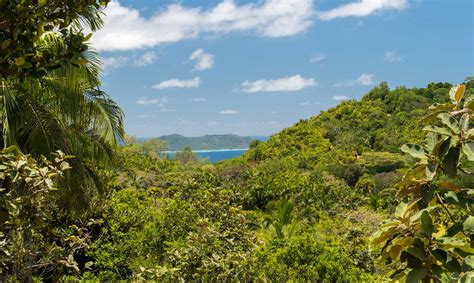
{"x":456,"y":93}
{"x":19,"y":61}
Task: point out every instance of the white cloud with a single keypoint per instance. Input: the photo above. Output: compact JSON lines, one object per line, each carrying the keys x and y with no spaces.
{"x":362,"y":8}
{"x":198,"y":99}
{"x":340,"y":97}
{"x":229,"y":112}
{"x":147,"y":58}
{"x":109,"y":63}
{"x":152,"y":101}
{"x":293,"y":83}
{"x":304,"y":103}
{"x":175,"y":83}
{"x":138,"y":60}
{"x":203,"y":60}
{"x":125,"y":28}
{"x":366,"y":79}
{"x":317,"y":58}
{"x":392,"y":56}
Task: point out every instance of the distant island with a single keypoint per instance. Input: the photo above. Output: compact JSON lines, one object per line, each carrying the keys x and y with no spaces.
{"x":209,"y":142}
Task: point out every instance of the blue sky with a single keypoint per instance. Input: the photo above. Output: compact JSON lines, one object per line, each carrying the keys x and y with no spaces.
{"x":255,"y":67}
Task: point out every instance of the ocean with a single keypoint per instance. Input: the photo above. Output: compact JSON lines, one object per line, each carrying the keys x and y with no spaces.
{"x":216,"y":155}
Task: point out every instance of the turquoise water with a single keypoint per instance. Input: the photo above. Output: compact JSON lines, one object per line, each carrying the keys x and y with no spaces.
{"x":216,"y":155}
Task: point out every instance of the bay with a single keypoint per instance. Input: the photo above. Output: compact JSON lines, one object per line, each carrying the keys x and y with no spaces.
{"x":215,"y":155}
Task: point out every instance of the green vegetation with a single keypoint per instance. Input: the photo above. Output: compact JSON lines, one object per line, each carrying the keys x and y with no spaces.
{"x":208,"y":142}
{"x":314,"y":202}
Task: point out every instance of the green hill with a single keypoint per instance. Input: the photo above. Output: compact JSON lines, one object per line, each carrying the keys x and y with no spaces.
{"x":207,"y":142}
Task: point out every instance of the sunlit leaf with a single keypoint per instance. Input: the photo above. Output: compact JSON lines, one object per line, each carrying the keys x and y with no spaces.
{"x":414,"y":150}
{"x":468,"y":150}
{"x":438,"y":130}
{"x":456,"y":93}
{"x":449,"y":121}
{"x":468,"y":225}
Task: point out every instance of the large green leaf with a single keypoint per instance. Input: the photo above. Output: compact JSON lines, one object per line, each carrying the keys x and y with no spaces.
{"x":443,"y":148}
{"x":427,"y":223}
{"x":468,"y":225}
{"x":449,"y":121}
{"x":438,"y":130}
{"x":416,"y":275}
{"x":400,"y":210}
{"x":431,"y":168}
{"x":468,"y":150}
{"x":469,"y":103}
{"x":450,"y":162}
{"x":414,"y":150}
{"x":417,"y":252}
{"x":469,"y":134}
{"x":468,"y":277}
{"x":469,"y":263}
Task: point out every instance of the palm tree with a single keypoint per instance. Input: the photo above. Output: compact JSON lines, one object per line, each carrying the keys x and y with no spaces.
{"x":64,"y":110}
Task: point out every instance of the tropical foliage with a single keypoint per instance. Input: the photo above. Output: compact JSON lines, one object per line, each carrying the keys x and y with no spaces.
{"x":79,"y":200}
{"x":431,"y":237}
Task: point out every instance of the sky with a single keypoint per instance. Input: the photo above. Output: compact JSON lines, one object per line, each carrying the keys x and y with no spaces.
{"x":254,"y":67}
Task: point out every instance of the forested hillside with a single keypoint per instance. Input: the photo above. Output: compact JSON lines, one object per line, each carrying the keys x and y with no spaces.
{"x":366,"y":191}
{"x":207,"y":142}
{"x":302,"y":205}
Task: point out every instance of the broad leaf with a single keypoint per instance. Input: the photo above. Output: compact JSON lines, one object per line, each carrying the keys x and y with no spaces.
{"x":469,"y":134}
{"x":443,"y":148}
{"x":468,"y":225}
{"x":450,"y":162}
{"x":431,"y":168}
{"x":427,"y":224}
{"x":449,"y":121}
{"x":469,"y":103}
{"x":438,"y":130}
{"x":457,"y":92}
{"x":469,"y":263}
{"x":464,"y":122}
{"x":468,"y":277}
{"x":417,"y":274}
{"x":417,"y":252}
{"x":400,"y":210}
{"x":414,"y":150}
{"x":468,"y":150}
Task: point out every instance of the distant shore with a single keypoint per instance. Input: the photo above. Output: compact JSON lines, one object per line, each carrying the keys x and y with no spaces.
{"x":209,"y":150}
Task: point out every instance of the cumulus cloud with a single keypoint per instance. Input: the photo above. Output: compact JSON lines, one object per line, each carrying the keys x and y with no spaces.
{"x":152,"y":101}
{"x":365,"y":79}
{"x":293,"y":83}
{"x":203,"y":60}
{"x":317,"y":58}
{"x":198,"y":99}
{"x":340,"y":97}
{"x":176,"y":83}
{"x":138,"y":60}
{"x":392,"y":56}
{"x":147,"y":58}
{"x":362,"y":8}
{"x":125,"y":28}
{"x":109,"y":63}
{"x":229,"y":112}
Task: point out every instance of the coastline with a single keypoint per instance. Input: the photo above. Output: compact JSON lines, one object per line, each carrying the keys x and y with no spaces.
{"x":209,"y":150}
